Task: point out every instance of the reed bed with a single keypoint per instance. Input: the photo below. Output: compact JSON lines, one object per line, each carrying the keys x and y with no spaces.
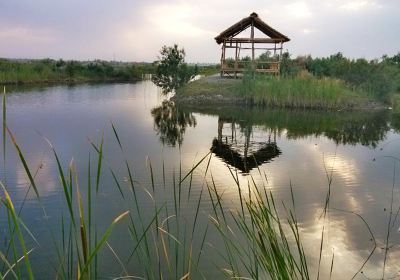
{"x":302,"y":91}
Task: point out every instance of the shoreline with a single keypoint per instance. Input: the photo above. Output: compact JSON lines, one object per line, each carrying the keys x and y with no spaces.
{"x":66,"y":82}
{"x":218,"y":100}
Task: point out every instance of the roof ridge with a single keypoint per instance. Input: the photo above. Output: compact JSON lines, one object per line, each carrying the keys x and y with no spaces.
{"x":241,"y":25}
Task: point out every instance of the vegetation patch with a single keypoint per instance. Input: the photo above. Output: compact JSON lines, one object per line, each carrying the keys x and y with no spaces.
{"x":60,"y":71}
{"x":334,"y":82}
{"x":379,"y":79}
{"x":301,"y":91}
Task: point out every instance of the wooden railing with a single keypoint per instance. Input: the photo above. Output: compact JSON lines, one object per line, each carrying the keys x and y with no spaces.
{"x":258,"y":66}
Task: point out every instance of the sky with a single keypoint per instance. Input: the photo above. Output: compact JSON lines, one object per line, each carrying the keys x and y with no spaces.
{"x":132,"y":30}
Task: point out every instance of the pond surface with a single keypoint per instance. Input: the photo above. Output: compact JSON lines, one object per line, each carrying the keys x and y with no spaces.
{"x":278,"y":149}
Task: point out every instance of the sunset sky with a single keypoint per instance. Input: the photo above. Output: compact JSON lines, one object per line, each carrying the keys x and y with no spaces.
{"x":131,"y":30}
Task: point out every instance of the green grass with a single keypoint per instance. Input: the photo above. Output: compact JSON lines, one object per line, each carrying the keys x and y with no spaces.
{"x":208,"y":70}
{"x":299,"y":92}
{"x":210,"y":86}
{"x":303,"y":91}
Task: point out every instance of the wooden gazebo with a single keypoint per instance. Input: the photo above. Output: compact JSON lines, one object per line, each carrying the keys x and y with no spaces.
{"x":272,"y":43}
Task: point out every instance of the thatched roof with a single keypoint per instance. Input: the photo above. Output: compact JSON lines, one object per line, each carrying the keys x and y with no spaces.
{"x":245,"y":23}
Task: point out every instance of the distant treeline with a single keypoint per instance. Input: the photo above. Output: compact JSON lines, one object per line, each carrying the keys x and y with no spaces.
{"x":380,"y":78}
{"x":14,"y":71}
{"x":56,"y":71}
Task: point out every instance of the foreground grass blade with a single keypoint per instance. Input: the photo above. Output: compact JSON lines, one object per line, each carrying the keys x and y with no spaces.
{"x":83,"y":230}
{"x":10,"y":207}
{"x":24,"y":163}
{"x":99,"y":161}
{"x":102,"y":241}
{"x":67,"y":193}
{"x":11,"y":266}
{"x":194,"y":168}
{"x":4,"y":126}
{"x":116,"y":136}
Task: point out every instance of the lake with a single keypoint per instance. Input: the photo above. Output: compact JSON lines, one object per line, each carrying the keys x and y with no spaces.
{"x":352,"y":155}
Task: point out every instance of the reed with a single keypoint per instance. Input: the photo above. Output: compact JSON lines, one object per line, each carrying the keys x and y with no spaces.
{"x":302,"y":91}
{"x":260,"y":243}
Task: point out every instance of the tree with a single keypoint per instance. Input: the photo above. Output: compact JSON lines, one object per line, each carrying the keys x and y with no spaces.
{"x":171,"y":70}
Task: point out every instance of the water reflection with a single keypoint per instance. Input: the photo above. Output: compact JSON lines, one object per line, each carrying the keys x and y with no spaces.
{"x":259,"y":129}
{"x":365,"y":128}
{"x":243,"y":156}
{"x":298,"y":146}
{"x":171,"y":123}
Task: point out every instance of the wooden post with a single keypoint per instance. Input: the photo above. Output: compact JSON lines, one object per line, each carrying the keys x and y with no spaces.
{"x":220,"y":127}
{"x":222,"y":59}
{"x":233,"y":131}
{"x":280,"y":59}
{"x":247,"y":135}
{"x":252,"y":42}
{"x":236,"y":60}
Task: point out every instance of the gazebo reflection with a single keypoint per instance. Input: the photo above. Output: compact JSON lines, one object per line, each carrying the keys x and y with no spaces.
{"x":246,"y":137}
{"x":243,"y":155}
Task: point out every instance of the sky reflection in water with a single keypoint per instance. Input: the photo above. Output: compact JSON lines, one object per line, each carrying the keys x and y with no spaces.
{"x":295,"y":148}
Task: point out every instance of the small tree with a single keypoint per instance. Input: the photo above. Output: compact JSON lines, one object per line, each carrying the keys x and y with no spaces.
{"x":171,"y":70}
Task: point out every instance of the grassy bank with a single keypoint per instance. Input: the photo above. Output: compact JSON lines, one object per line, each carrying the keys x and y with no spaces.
{"x":60,"y":71}
{"x":334,"y":82}
{"x":301,"y":91}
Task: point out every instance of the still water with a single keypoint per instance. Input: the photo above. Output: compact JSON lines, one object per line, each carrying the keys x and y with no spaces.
{"x":278,"y":149}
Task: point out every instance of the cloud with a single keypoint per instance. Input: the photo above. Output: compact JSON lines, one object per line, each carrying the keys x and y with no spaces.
{"x":136,"y":30}
{"x":308,"y":31}
{"x":175,"y":19}
{"x":358,"y":5}
{"x":26,"y":34}
{"x":298,"y":10}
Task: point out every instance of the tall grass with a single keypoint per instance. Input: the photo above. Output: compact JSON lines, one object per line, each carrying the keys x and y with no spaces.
{"x":302,"y":91}
{"x":264,"y":246}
